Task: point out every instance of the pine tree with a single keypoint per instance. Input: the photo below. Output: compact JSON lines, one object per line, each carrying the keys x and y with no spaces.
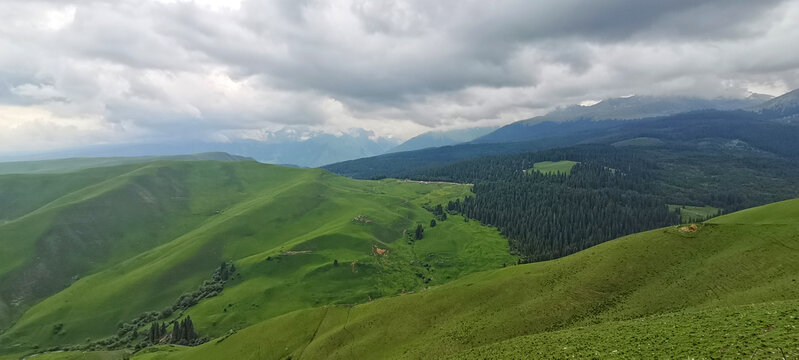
{"x":156,"y":332}
{"x":223,"y":271}
{"x":177,"y":333}
{"x":189,"y":329}
{"x":152,"y":333}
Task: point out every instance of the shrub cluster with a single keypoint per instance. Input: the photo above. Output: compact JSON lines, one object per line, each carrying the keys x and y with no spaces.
{"x":183,"y":332}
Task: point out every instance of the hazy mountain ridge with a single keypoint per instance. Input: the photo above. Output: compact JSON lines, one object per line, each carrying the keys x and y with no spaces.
{"x":688,"y":130}
{"x":442,"y":138}
{"x":763,"y":130}
{"x":636,"y":107}
{"x":304,"y":149}
{"x":785,"y":107}
{"x":626,"y":108}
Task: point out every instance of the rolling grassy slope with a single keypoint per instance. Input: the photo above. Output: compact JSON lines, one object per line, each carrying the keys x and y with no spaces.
{"x":729,"y":288}
{"x":760,"y":331}
{"x":120,"y":241}
{"x":780,"y":213}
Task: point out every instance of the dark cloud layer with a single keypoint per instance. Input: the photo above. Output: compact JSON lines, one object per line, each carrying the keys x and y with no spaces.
{"x":114,"y":71}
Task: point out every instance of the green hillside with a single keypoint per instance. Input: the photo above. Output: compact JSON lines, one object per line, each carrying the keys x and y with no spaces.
{"x":104,"y":245}
{"x":327,"y":267}
{"x":780,"y":213}
{"x":728,"y":288}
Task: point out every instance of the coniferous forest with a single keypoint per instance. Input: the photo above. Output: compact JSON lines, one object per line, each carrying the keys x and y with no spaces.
{"x":610,"y":192}
{"x":549,"y":216}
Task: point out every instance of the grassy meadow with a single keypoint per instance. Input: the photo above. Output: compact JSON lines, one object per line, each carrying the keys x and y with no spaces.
{"x":554,"y":167}
{"x":328,"y":268}
{"x":661,"y":293}
{"x":300,"y":238}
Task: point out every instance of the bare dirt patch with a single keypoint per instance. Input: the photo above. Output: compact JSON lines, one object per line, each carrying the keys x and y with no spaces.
{"x":378,"y":251}
{"x":690,"y":228}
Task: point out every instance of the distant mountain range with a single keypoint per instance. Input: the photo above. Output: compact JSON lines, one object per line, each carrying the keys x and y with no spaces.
{"x":442,"y":138}
{"x":625,"y":108}
{"x":316,"y":151}
{"x":785,"y":107}
{"x":305,"y":148}
{"x":287,"y":147}
{"x":769,"y":126}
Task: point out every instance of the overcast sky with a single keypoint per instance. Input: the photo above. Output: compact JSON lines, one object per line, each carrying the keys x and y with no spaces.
{"x":89,"y":72}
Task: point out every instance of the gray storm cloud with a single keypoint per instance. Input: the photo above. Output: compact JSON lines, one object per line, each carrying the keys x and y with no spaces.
{"x":77,"y":73}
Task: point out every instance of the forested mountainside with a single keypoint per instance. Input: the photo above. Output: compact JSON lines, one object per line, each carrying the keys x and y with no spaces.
{"x":610,"y":191}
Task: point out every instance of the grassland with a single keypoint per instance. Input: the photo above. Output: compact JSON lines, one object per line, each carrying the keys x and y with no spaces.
{"x":554,"y":167}
{"x":780,"y":213}
{"x":728,"y":289}
{"x":110,"y":243}
{"x":759,"y":331}
{"x":689,"y":214}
